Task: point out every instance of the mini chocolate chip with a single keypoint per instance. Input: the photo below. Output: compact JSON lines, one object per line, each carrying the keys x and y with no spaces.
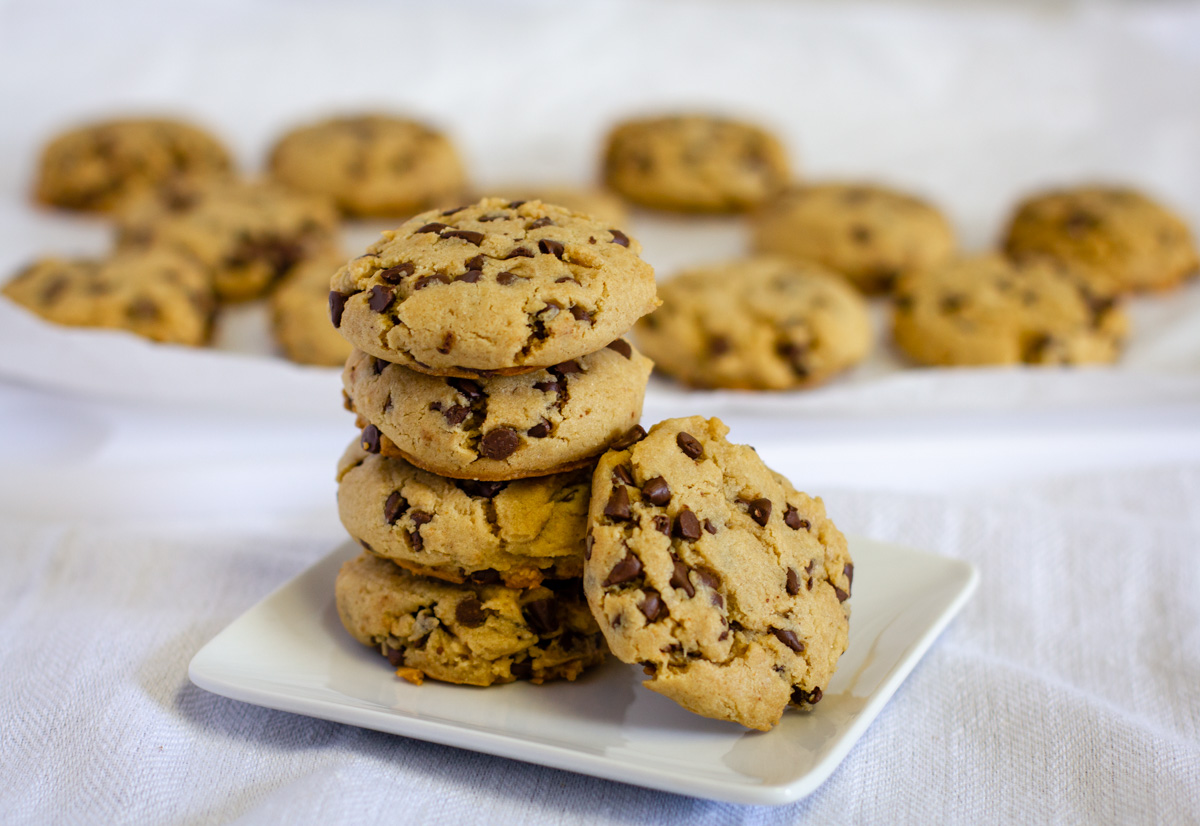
{"x":791,"y":518}
{"x":522,"y":670}
{"x":618,"y":504}
{"x":619,"y":237}
{"x":588,"y":542}
{"x":679,"y":577}
{"x":687,"y":526}
{"x":393,"y":275}
{"x":469,"y":612}
{"x":622,"y":347}
{"x":456,"y":414}
{"x":789,"y":639}
{"x":793,"y":582}
{"x":515,"y":204}
{"x":378,"y":365}
{"x":395,"y":656}
{"x":488,"y":576}
{"x":519,"y":252}
{"x":689,"y":445}
{"x":539,"y":431}
{"x":718,"y":346}
{"x":662,"y":524}
{"x":500,"y":443}
{"x":657,"y":491}
{"x":628,"y":568}
{"x":475,"y":263}
{"x":337,"y":306}
{"x":467,"y":387}
{"x":552,"y":248}
{"x":653,"y":606}
{"x":709,"y":578}
{"x":394,"y":507}
{"x":505,"y":278}
{"x":420,"y":518}
{"x":447,"y":213}
{"x":709,"y":526}
{"x":547,"y":386}
{"x":580,"y":313}
{"x":539,"y":223}
{"x":424,"y":281}
{"x":841,"y":595}
{"x":447,"y":344}
{"x":621,"y":474}
{"x":435,"y":227}
{"x":801,"y":697}
{"x":760,"y":510}
{"x":470,"y":276}
{"x":483,"y":490}
{"x":848,"y":570}
{"x":370,"y":439}
{"x":717,"y":600}
{"x":381,"y":298}
{"x":470,"y":236}
{"x":566,"y":368}
{"x":629,"y":438}
{"x":542,"y":616}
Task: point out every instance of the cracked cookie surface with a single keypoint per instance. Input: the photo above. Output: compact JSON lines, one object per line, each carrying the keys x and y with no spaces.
{"x":757,"y":323}
{"x":1122,"y":239}
{"x":501,"y":427}
{"x":467,"y":634}
{"x":992,"y":310}
{"x":869,"y":234}
{"x":156,"y":293}
{"x":370,"y":165}
{"x":495,"y":287}
{"x":694,"y":163}
{"x":248,"y":235}
{"x":516,"y":533}
{"x":715,"y":574}
{"x":100,"y":166}
{"x":300,"y":313}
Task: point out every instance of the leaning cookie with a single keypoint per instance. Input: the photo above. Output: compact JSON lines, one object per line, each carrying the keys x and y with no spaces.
{"x":100,"y":166}
{"x":869,"y":234}
{"x":503,"y":427}
{"x":715,"y":574}
{"x":370,"y":164}
{"x":694,"y":163}
{"x":757,"y":324}
{"x":155,"y":293}
{"x":467,"y":634}
{"x":496,"y":287}
{"x":992,"y":310}
{"x":515,"y":533}
{"x":300,"y":313}
{"x":1121,"y":239}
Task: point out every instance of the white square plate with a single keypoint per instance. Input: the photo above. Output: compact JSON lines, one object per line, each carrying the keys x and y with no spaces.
{"x":291,"y":653}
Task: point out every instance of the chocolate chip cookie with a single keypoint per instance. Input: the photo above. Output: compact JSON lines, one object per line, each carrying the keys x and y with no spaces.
{"x":469,"y":634}
{"x":495,"y":287}
{"x":867,"y":233}
{"x":300,"y":313}
{"x":757,"y":323}
{"x":248,"y":235}
{"x":694,"y":163}
{"x":99,"y":166}
{"x":992,"y":310}
{"x":515,"y":533}
{"x":155,"y":293}
{"x":503,"y":427}
{"x":370,"y":165}
{"x":715,"y":574}
{"x":1124,"y":240}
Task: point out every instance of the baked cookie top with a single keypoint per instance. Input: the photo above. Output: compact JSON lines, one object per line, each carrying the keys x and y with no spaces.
{"x":503,"y":427}
{"x":247,"y":234}
{"x":493,"y":287}
{"x":515,"y":533}
{"x":715,"y":574}
{"x":867,"y":233}
{"x":601,"y":204}
{"x":757,"y":323}
{"x":99,"y":166}
{"x":156,"y":293}
{"x":992,"y":310}
{"x":467,"y":634}
{"x":694,"y":163}
{"x":370,"y":164}
{"x":1123,"y":239}
{"x":300,"y":313}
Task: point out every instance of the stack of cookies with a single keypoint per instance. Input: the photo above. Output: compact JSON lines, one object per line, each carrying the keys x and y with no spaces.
{"x":489,"y":374}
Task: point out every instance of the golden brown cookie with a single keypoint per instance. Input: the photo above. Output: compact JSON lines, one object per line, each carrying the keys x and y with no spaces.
{"x":300,"y":313}
{"x":599,"y":203}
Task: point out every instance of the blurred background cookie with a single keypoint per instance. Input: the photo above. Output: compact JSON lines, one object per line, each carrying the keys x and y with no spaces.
{"x":300,"y":313}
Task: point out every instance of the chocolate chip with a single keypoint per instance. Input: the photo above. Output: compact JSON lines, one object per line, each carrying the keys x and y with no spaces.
{"x":689,"y":445}
{"x":522,"y":670}
{"x":447,"y":344}
{"x":1078,"y":223}
{"x":708,"y":578}
{"x":793,"y":582}
{"x":469,"y":612}
{"x":841,"y":595}
{"x":622,"y":474}
{"x":447,"y":213}
{"x":470,"y":276}
{"x":425,"y":281}
{"x":337,"y":306}
{"x":618,"y":504}
{"x":538,"y":224}
{"x":467,"y":387}
{"x":539,"y":431}
{"x":628,"y":568}
{"x":848,"y":570}
{"x":710,"y":527}
{"x":395,"y":656}
{"x":394,"y":507}
{"x":718,"y":346}
{"x":505,"y":278}
{"x":657,"y":491}
{"x":629,"y":438}
{"x":381,"y":298}
{"x":717,"y":600}
{"x":679,"y":577}
{"x":547,"y":386}
{"x":500,"y":443}
{"x":394,"y":275}
{"x":435,"y":227}
{"x":470,"y":236}
{"x":515,"y":204}
{"x":552,"y":248}
{"x":801,"y":697}
{"x":760,"y":510}
{"x":622,"y":347}
{"x":653,"y":606}
{"x":566,"y":368}
{"x":456,"y":414}
{"x":488,"y":576}
{"x":791,"y":518}
{"x":483,"y":490}
{"x":370,"y":439}
{"x":542,"y":616}
{"x":420,"y":518}
{"x":953,"y":302}
{"x":789,"y":639}
{"x":519,"y":252}
{"x":662,"y":524}
{"x":580,"y":313}
{"x":378,"y":365}
{"x":619,"y":237}
{"x":687,"y":526}
{"x":588,"y":542}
